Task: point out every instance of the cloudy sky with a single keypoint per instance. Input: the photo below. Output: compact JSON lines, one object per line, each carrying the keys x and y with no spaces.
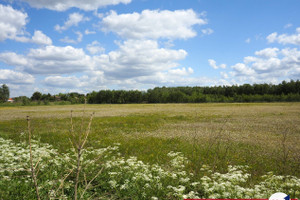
{"x":84,"y":45}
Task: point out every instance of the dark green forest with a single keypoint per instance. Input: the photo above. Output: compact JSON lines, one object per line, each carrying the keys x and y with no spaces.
{"x":283,"y":92}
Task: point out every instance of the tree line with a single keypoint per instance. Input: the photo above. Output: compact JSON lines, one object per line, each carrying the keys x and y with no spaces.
{"x":285,"y":91}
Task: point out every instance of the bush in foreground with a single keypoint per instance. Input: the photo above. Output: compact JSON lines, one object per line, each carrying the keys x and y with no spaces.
{"x":105,"y":174}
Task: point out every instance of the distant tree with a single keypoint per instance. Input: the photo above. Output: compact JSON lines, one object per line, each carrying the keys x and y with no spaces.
{"x":63,"y":97}
{"x":25,"y":101}
{"x":92,"y":97}
{"x":47,"y":97}
{"x":36,"y":96}
{"x":4,"y":93}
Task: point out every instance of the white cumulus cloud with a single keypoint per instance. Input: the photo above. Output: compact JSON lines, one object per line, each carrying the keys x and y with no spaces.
{"x":86,"y":5}
{"x":64,"y":82}
{"x":13,"y":59}
{"x":267,"y":52}
{"x":92,"y":80}
{"x":50,"y":60}
{"x":73,"y":20}
{"x":242,"y":69}
{"x":285,"y":38}
{"x":153,"y":24}
{"x":214,"y":65}
{"x":95,"y":48}
{"x":181,"y":72}
{"x":12,"y":26}
{"x":13,"y":77}
{"x":40,"y":38}
{"x":136,"y":58}
{"x":268,"y":65}
{"x":12,"y":23}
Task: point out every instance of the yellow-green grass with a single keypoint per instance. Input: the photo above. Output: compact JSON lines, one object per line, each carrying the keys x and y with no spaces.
{"x":265,"y":136}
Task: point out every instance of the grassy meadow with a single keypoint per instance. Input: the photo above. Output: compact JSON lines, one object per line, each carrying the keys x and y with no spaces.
{"x":263,"y":136}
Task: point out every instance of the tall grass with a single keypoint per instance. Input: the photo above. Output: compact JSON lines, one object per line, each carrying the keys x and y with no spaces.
{"x":148,"y":162}
{"x":105,"y":174}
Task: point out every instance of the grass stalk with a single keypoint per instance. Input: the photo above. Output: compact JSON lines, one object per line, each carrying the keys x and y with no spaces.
{"x":79,"y":145}
{"x":87,"y":185}
{"x":61,"y":186}
{"x":33,"y":174}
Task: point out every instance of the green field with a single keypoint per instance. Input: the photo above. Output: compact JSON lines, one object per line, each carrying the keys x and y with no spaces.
{"x":263,"y":136}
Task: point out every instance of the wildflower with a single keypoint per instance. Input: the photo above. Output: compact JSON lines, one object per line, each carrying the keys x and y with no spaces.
{"x":113,"y":183}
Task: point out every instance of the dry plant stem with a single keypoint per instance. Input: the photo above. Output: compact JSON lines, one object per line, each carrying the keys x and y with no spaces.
{"x":85,"y":181}
{"x":80,"y":147}
{"x":37,"y":171}
{"x":78,"y":168}
{"x":285,"y":152}
{"x":62,"y":182}
{"x":31,"y":162}
{"x":83,"y":112}
{"x":92,"y":196}
{"x":217,"y":142}
{"x":72,"y":126}
{"x":88,"y":130}
{"x":87,"y":186}
{"x":196,"y":150}
{"x":73,"y":138}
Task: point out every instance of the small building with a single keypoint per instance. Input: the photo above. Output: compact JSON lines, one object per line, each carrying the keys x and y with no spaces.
{"x":11,"y":100}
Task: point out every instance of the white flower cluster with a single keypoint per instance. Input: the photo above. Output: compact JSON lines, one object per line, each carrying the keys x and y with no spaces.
{"x":15,"y":157}
{"x":130,"y":178}
{"x":178,"y":160}
{"x":230,"y":184}
{"x":272,"y":183}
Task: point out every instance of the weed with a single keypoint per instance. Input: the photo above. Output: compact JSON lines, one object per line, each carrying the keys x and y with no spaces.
{"x":251,"y":136}
{"x":108,"y":175}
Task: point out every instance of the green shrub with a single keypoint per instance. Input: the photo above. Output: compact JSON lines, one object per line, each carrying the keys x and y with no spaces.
{"x":106,"y":174}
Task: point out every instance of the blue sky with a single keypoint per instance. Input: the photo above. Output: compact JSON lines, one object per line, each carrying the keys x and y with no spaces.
{"x":80,"y":46}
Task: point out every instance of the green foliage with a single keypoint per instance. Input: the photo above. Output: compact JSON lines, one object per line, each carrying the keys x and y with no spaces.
{"x":36,"y":96}
{"x":230,"y":185}
{"x":115,"y":97}
{"x":108,"y":175}
{"x":62,"y":103}
{"x":46,"y":102}
{"x":25,"y":101}
{"x":150,"y":136}
{"x":286,"y":91}
{"x":4,"y":93}
{"x":283,"y":92}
